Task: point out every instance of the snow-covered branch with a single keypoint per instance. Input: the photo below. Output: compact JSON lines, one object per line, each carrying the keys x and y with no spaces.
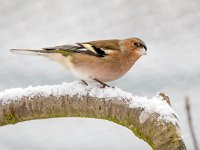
{"x":152,"y":120}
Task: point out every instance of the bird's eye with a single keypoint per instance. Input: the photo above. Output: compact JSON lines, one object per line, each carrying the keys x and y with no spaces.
{"x":136,"y":44}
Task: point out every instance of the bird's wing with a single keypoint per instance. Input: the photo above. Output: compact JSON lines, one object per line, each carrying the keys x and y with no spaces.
{"x":95,"y":48}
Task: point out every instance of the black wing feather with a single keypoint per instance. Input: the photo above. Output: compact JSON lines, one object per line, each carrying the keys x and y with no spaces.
{"x":78,"y":48}
{"x":94,"y":48}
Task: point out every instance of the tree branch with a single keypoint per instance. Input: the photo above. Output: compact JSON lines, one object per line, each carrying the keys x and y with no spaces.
{"x":151,"y":126}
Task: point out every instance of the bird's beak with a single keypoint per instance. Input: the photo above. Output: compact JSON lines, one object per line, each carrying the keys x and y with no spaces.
{"x":144,"y":51}
{"x":144,"y":48}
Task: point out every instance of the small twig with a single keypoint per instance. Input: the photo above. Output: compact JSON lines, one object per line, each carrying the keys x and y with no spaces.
{"x":187,"y":106}
{"x":165,"y":98}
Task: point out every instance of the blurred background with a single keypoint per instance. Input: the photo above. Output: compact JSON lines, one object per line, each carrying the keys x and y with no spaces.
{"x":170,"y":28}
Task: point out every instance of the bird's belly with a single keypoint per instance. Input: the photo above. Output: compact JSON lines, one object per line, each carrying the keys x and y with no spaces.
{"x":102,"y":71}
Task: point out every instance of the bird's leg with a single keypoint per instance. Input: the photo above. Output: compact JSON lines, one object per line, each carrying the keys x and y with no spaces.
{"x":84,"y":82}
{"x":102,"y":83}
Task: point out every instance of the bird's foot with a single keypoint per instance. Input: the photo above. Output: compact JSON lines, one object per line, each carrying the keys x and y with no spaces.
{"x":102,"y":83}
{"x":85,"y":83}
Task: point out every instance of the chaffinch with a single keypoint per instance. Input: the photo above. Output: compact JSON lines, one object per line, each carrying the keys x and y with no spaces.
{"x":100,"y":61}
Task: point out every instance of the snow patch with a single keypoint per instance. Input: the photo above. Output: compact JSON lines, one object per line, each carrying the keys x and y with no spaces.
{"x":153,"y":105}
{"x":143,"y":116}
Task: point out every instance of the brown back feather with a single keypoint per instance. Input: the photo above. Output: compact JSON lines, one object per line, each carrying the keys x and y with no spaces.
{"x":105,"y":44}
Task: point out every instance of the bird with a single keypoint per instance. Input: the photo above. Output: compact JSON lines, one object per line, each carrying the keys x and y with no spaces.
{"x":101,"y":60}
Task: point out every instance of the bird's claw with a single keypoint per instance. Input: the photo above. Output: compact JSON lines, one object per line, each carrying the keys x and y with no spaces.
{"x":85,"y":83}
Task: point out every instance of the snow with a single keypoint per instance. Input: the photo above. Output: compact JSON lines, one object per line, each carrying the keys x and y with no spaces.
{"x":143,"y":116}
{"x":153,"y":105}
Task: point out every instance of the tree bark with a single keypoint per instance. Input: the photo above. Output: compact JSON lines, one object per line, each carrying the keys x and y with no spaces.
{"x":161,"y":135}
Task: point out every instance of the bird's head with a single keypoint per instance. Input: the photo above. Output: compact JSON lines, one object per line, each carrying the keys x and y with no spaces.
{"x":139,"y":46}
{"x":136,"y":45}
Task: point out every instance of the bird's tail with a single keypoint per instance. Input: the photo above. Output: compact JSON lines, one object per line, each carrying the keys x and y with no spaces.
{"x":29,"y":52}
